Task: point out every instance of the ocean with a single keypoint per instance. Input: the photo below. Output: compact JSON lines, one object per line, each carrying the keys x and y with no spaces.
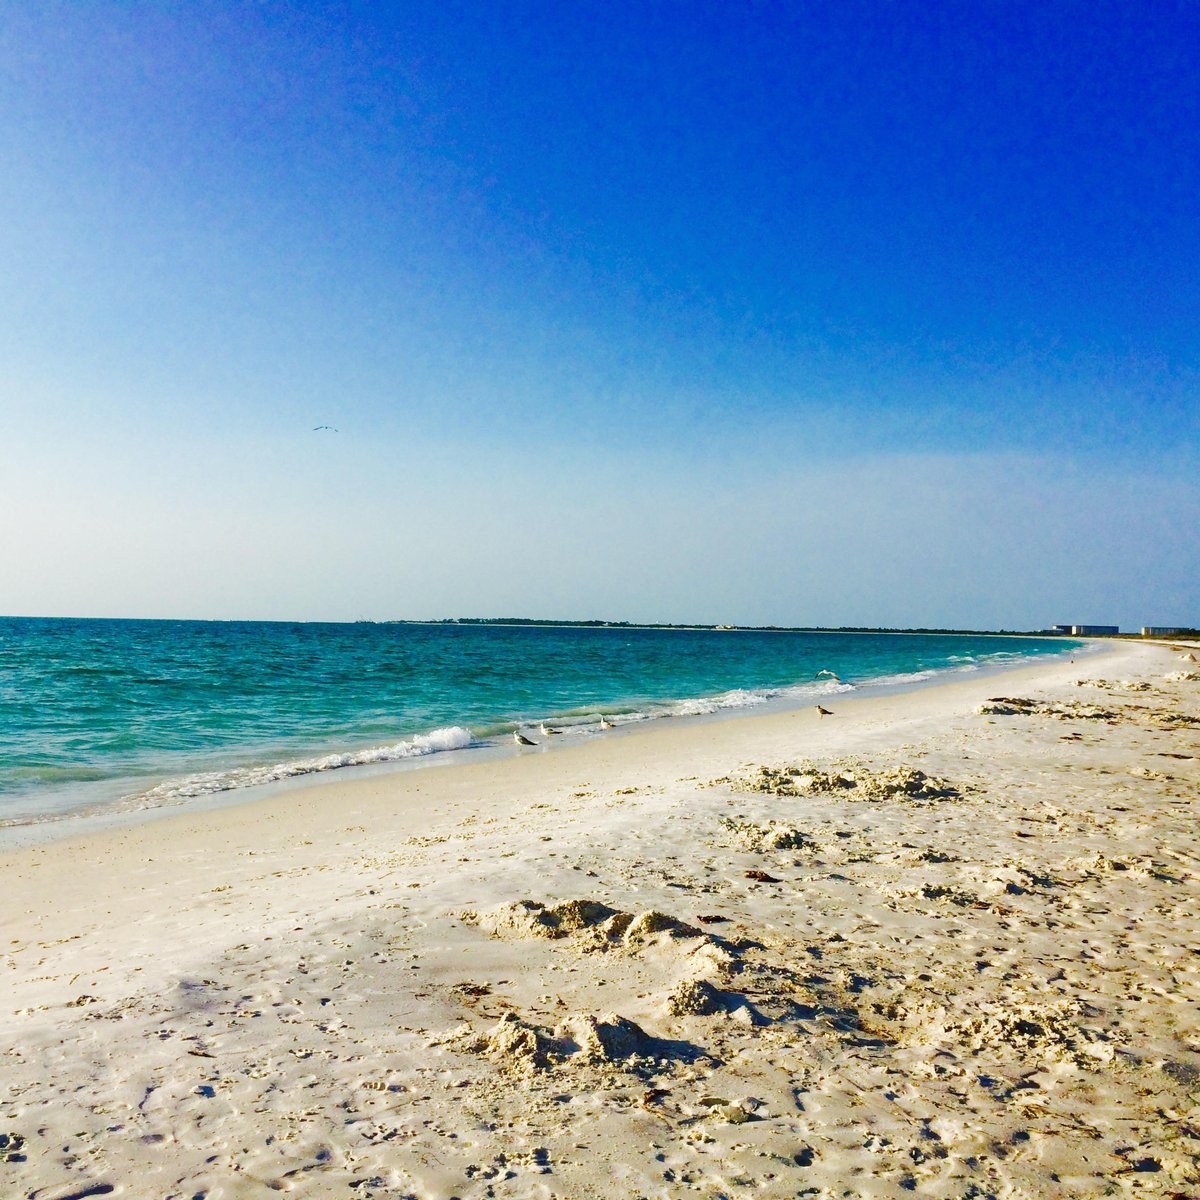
{"x":113,"y":715}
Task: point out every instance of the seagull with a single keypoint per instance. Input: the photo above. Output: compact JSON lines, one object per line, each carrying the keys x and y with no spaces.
{"x":549,"y":732}
{"x":521,"y":739}
{"x":605,"y":723}
{"x":318,"y":428}
{"x":826,"y":671}
{"x":824,"y":711}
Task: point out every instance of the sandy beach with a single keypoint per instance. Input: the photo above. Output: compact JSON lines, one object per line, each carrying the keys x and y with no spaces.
{"x":943,"y":943}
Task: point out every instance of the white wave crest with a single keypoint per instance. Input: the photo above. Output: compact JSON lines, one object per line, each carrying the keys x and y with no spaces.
{"x":206,"y":783}
{"x":905,"y":677}
{"x":752,"y":698}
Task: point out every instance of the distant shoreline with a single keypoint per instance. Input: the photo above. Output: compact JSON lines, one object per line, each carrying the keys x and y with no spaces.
{"x":554,"y":623}
{"x":529,"y":622}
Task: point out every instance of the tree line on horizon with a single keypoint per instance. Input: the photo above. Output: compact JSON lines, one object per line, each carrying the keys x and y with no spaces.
{"x":600,"y":624}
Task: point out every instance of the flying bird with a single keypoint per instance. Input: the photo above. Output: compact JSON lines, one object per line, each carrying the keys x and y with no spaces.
{"x":824,"y":712}
{"x":826,"y":671}
{"x":318,"y":428}
{"x":521,"y":739}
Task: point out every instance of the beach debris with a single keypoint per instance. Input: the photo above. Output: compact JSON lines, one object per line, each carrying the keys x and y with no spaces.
{"x":763,"y":836}
{"x":854,"y":779}
{"x":1008,"y":706}
{"x":940,"y":891}
{"x":1149,"y":773}
{"x":1182,"y":677}
{"x":470,"y":991}
{"x":762,"y":877}
{"x":731,"y":1112}
{"x":1176,"y":720}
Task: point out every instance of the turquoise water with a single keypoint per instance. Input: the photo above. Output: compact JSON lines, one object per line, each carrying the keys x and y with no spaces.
{"x":140,"y":714}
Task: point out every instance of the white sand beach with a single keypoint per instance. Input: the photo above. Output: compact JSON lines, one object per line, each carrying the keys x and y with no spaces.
{"x":910,"y":948}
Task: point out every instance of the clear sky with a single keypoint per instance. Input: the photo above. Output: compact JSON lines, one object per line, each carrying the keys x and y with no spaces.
{"x":853,"y":313}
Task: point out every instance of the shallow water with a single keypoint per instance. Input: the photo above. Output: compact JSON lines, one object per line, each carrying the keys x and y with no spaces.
{"x":149,"y":713}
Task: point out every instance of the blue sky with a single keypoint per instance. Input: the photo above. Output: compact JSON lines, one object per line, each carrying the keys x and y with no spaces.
{"x":855,"y":313}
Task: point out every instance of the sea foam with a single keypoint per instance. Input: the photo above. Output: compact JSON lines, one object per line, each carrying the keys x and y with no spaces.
{"x":206,"y":783}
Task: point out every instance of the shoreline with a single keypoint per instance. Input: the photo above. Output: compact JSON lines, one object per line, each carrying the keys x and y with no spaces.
{"x":23,"y":831}
{"x":349,"y":985}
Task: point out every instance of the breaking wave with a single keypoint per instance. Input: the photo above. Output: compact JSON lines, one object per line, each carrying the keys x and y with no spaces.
{"x":206,"y":783}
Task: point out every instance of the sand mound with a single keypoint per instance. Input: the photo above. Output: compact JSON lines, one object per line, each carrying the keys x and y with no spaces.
{"x":794,"y":781}
{"x":858,"y":782}
{"x":600,"y":925}
{"x":610,"y":1039}
{"x":514,"y":1045}
{"x":1123,"y":685}
{"x":1043,"y":1031}
{"x":646,"y":925}
{"x":1139,"y":866}
{"x":762,"y":836}
{"x":1031,"y":1031}
{"x":696,"y":998}
{"x":522,"y":1048}
{"x":530,"y":919}
{"x":699,"y":997}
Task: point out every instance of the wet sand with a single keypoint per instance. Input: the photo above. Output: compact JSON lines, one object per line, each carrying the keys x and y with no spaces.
{"x":943,"y":943}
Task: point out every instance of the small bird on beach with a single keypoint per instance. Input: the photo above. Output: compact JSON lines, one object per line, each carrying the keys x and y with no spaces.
{"x":549,"y":732}
{"x":605,"y":723}
{"x":521,"y":739}
{"x":824,"y":712}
